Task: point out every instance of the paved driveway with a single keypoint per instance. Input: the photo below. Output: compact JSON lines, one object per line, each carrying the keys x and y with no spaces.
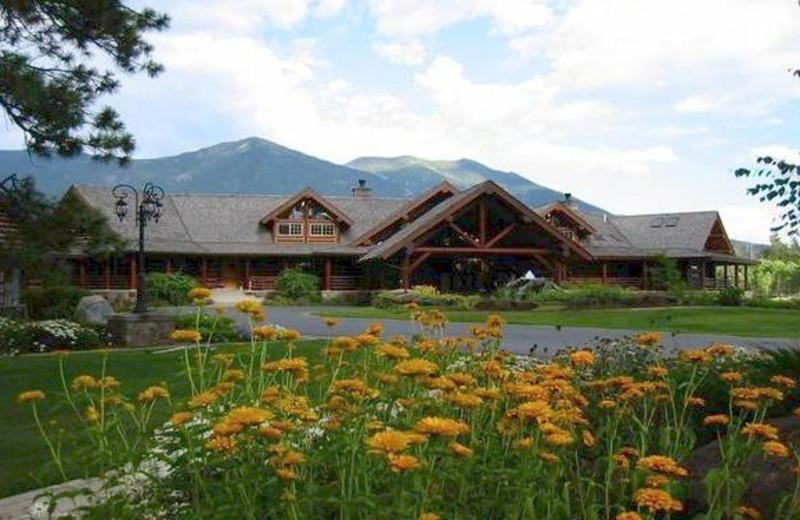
{"x":518,"y":338}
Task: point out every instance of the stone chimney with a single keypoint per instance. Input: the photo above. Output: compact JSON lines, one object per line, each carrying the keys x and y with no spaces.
{"x":361,"y":191}
{"x":569,"y":202}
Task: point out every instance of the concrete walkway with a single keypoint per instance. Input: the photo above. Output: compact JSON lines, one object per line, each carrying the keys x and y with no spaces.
{"x":518,"y":338}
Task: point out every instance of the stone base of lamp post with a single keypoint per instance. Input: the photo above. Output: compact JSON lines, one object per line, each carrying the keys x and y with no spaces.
{"x":141,"y":330}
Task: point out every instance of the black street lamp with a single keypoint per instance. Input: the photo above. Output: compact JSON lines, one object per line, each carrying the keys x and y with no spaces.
{"x":149,"y":208}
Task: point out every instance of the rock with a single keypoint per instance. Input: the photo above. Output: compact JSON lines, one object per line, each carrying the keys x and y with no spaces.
{"x":769,"y":479}
{"x":93,"y":310}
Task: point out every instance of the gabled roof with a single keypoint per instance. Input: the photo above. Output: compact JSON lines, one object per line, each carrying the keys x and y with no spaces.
{"x":434,"y":217}
{"x":406,"y":209}
{"x":571,"y":212}
{"x":304,"y":194}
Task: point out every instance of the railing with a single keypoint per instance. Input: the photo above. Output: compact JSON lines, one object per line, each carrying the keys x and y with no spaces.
{"x":625,"y":282}
{"x":345,"y":283}
{"x":101,"y":282}
{"x":261,"y":283}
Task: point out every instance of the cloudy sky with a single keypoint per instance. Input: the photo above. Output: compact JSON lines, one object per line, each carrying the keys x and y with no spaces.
{"x":634,"y":105}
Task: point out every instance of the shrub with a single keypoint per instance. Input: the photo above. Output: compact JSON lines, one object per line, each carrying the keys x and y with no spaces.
{"x":19,"y":337}
{"x":169,"y":289}
{"x":394,"y":298}
{"x":294,"y":285}
{"x":216,"y":328}
{"x":52,"y":303}
{"x":731,"y":296}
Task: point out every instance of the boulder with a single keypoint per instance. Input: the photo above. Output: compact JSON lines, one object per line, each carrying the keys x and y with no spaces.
{"x":93,"y":310}
{"x":768,"y":478}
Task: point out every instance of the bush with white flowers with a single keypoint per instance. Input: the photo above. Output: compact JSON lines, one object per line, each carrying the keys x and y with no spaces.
{"x":23,"y":337}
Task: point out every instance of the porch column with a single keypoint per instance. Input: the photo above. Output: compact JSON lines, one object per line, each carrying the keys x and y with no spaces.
{"x":736,"y":275}
{"x":82,"y":272}
{"x":247,"y":274}
{"x":605,"y":272}
{"x":405,"y":271}
{"x":327,"y":271}
{"x":746,"y":284}
{"x":107,"y":274}
{"x":725,"y":275}
{"x":204,"y":270}
{"x":168,"y":265}
{"x":645,"y":275}
{"x":702,"y":274}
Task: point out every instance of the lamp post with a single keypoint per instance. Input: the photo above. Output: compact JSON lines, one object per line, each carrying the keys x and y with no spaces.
{"x":147,"y":209}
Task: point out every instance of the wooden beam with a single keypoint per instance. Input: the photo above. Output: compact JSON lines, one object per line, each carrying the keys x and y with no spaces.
{"x":419,"y":261}
{"x":132,"y":271}
{"x":746,"y":285}
{"x":204,"y":270}
{"x":545,"y":262}
{"x":463,"y":234}
{"x":483,"y":221}
{"x":736,"y":275}
{"x":501,"y":235}
{"x":247,"y":274}
{"x":327,"y":272}
{"x":522,"y":251}
{"x":605,"y":272}
{"x":405,"y":272}
{"x":107,"y":274}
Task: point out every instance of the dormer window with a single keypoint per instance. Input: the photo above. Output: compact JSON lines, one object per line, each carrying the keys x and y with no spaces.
{"x":291,"y":229}
{"x":326,"y":229}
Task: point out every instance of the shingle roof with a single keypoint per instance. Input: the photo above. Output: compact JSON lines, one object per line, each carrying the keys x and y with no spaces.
{"x":229,"y":224}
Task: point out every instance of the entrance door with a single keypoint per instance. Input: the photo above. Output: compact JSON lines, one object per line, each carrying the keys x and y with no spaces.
{"x":231,"y":278}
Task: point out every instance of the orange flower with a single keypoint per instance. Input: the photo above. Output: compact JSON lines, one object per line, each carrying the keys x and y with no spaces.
{"x":286,"y":474}
{"x":657,"y":371}
{"x":696,"y":401}
{"x":180,"y":418}
{"x":153,"y":393}
{"x":648,"y":339}
{"x":83,"y":381}
{"x":441,"y":426}
{"x":330,"y":321}
{"x":393,"y":441}
{"x":588,"y":439}
{"x":766,"y":431}
{"x":720,"y":350}
{"x":202,"y":400}
{"x":459,"y":449}
{"x":199,"y":294}
{"x":548,"y":457}
{"x":695,"y":355}
{"x":716,"y":420}
{"x":776,"y":449}
{"x":747,"y":512}
{"x":30,"y":396}
{"x":403,"y":463}
{"x":662,"y":464}
{"x":656,"y":500}
{"x":416,"y":367}
{"x":786,"y":382}
{"x":731,"y":377}
{"x":582,"y":358}
{"x":429,"y":516}
{"x":392,"y":351}
{"x":628,"y":515}
{"x":186,"y":336}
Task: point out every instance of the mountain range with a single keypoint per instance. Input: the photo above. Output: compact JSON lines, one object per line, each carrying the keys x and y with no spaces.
{"x":259,"y":166}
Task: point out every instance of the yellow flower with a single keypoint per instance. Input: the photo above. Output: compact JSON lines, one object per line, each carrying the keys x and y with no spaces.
{"x":393,"y":441}
{"x":83,"y":381}
{"x":298,"y":367}
{"x":731,"y":377}
{"x":200,"y":294}
{"x":249,"y":415}
{"x":153,"y":393}
{"x":696,"y":401}
{"x":786,"y":382}
{"x":720,"y":350}
{"x":747,"y":512}
{"x":91,"y":415}
{"x":250,"y":306}
{"x":588,"y":439}
{"x":108,"y":382}
{"x":776,"y":449}
{"x":537,"y":410}
{"x":392,"y":351}
{"x":459,"y":449}
{"x":766,"y":431}
{"x":647,"y":339}
{"x":559,"y":439}
{"x":628,"y":515}
{"x":461,"y":378}
{"x":223,"y":359}
{"x":374,"y":329}
{"x":286,"y":474}
{"x":607,"y":403}
{"x":221,"y":443}
{"x":695,"y":355}
{"x":30,"y":396}
{"x":330,"y":321}
{"x":292,"y":458}
{"x":656,"y":500}
{"x":288,"y":335}
{"x":180,"y":418}
{"x":465,"y":400}
{"x":402,"y":463}
{"x":716,"y":420}
{"x":746,"y":404}
{"x":495,"y":321}
{"x":265,"y":332}
{"x":202,"y":400}
{"x":582,"y":358}
{"x":429,"y":516}
{"x":488,"y":394}
{"x":662,"y":464}
{"x":354,"y":387}
{"x":548,"y":457}
{"x":416,"y":367}
{"x":186,"y":336}
{"x":233,"y":374}
{"x":657,"y":371}
{"x":441,"y":426}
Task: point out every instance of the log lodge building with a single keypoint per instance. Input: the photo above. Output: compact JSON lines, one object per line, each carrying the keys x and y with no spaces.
{"x":469,"y":240}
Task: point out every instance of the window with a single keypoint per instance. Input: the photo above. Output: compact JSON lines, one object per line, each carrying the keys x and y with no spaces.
{"x":323,"y":230}
{"x":657,"y":222}
{"x":672,"y":221}
{"x":290,"y":228}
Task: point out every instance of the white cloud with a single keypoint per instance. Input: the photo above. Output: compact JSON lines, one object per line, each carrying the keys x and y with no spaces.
{"x":241,"y":16}
{"x":410,"y":18}
{"x":407,"y":53}
{"x":327,"y":8}
{"x":777,"y":151}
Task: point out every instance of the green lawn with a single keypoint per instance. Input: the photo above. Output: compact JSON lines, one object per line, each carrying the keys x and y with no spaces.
{"x":25,"y":461}
{"x":733,"y":321}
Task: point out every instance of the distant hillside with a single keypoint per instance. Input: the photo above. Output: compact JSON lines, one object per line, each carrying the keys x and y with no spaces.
{"x":414,"y":174}
{"x":256,"y":165}
{"x":248,"y":166}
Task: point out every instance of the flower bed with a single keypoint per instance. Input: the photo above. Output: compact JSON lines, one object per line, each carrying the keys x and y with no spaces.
{"x":434,"y":427}
{"x":23,"y":337}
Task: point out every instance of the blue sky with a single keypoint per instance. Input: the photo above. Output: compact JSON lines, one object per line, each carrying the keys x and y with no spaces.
{"x":637,"y":106}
